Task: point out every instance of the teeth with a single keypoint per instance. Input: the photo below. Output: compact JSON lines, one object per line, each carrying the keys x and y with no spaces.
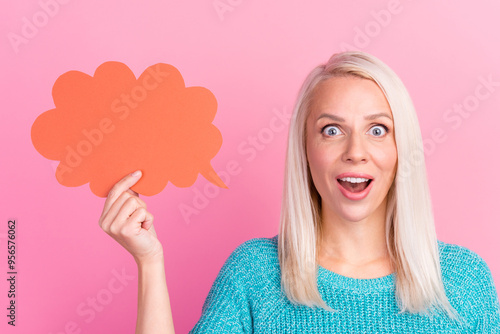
{"x":354,"y":179}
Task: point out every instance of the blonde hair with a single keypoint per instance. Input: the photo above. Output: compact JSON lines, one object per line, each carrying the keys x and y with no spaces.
{"x":410,"y":232}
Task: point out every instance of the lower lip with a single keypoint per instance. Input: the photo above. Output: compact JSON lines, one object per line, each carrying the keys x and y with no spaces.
{"x":355,"y":196}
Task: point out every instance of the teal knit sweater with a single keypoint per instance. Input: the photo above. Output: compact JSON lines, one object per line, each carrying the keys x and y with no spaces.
{"x":246,"y":297}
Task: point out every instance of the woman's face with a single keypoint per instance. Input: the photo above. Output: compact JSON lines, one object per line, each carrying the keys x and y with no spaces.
{"x":350,"y":129}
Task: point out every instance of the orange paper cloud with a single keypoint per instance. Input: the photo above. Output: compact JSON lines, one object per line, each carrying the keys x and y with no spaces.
{"x":106,"y":126}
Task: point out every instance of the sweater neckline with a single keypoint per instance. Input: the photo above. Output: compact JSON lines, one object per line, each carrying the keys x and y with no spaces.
{"x":362,"y":284}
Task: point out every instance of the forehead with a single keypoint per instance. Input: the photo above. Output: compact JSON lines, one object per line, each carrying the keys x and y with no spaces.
{"x":348,"y":95}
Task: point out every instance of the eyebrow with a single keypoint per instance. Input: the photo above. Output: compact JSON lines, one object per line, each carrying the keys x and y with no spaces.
{"x":368,"y":117}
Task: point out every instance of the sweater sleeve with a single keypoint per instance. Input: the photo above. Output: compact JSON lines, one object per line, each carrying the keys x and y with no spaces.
{"x":227,"y":306}
{"x":487,"y":309}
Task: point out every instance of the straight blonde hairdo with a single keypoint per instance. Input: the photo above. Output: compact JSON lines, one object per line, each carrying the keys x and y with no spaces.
{"x":410,"y":231}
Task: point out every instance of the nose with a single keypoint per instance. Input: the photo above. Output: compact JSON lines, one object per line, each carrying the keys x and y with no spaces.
{"x":354,"y":151}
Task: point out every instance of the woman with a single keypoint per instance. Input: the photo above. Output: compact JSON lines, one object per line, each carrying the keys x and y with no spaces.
{"x":357,"y":249}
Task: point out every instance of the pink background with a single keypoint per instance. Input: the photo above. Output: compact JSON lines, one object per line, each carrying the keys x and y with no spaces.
{"x":254,"y":58}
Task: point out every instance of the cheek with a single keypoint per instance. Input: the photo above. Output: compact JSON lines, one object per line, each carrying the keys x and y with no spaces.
{"x":321,"y":161}
{"x":387,"y":159}
{"x":392,"y":158}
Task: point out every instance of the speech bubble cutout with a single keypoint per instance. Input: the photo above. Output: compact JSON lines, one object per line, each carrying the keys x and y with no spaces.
{"x":106,"y":126}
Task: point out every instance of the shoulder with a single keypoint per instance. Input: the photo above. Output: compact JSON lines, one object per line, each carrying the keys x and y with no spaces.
{"x":460,"y":260}
{"x":248,"y":261}
{"x":239,"y":288}
{"x":470,"y":286}
{"x":255,"y":252}
{"x":254,"y":260}
{"x":466,"y":273}
{"x":256,"y":246}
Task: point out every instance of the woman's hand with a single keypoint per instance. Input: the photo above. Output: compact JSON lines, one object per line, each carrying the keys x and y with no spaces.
{"x":126,"y":220}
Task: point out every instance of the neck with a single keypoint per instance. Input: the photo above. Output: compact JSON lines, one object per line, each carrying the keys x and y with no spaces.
{"x":354,"y":242}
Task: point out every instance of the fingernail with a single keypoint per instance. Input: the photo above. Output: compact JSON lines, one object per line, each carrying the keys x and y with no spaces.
{"x":136,"y":173}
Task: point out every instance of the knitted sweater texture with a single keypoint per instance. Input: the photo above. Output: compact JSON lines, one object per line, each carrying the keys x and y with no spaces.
{"x":246,"y":297}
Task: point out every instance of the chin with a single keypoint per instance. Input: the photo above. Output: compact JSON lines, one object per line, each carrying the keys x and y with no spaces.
{"x":353,"y":217}
{"x":351,"y":213}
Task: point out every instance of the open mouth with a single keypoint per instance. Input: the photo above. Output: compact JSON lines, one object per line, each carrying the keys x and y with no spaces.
{"x":353,"y":184}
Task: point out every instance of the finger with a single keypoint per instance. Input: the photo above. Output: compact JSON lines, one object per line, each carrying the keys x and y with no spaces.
{"x":118,"y":223}
{"x":117,"y":207}
{"x":148,"y":221}
{"x":126,"y":203}
{"x":152,"y":230}
{"x":132,"y":192}
{"x":136,"y":195}
{"x":115,"y":192}
{"x":142,"y":218}
{"x":133,"y":224}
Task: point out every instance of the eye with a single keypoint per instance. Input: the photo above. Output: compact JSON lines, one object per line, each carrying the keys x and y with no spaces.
{"x":330,"y":130}
{"x":379,"y":130}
